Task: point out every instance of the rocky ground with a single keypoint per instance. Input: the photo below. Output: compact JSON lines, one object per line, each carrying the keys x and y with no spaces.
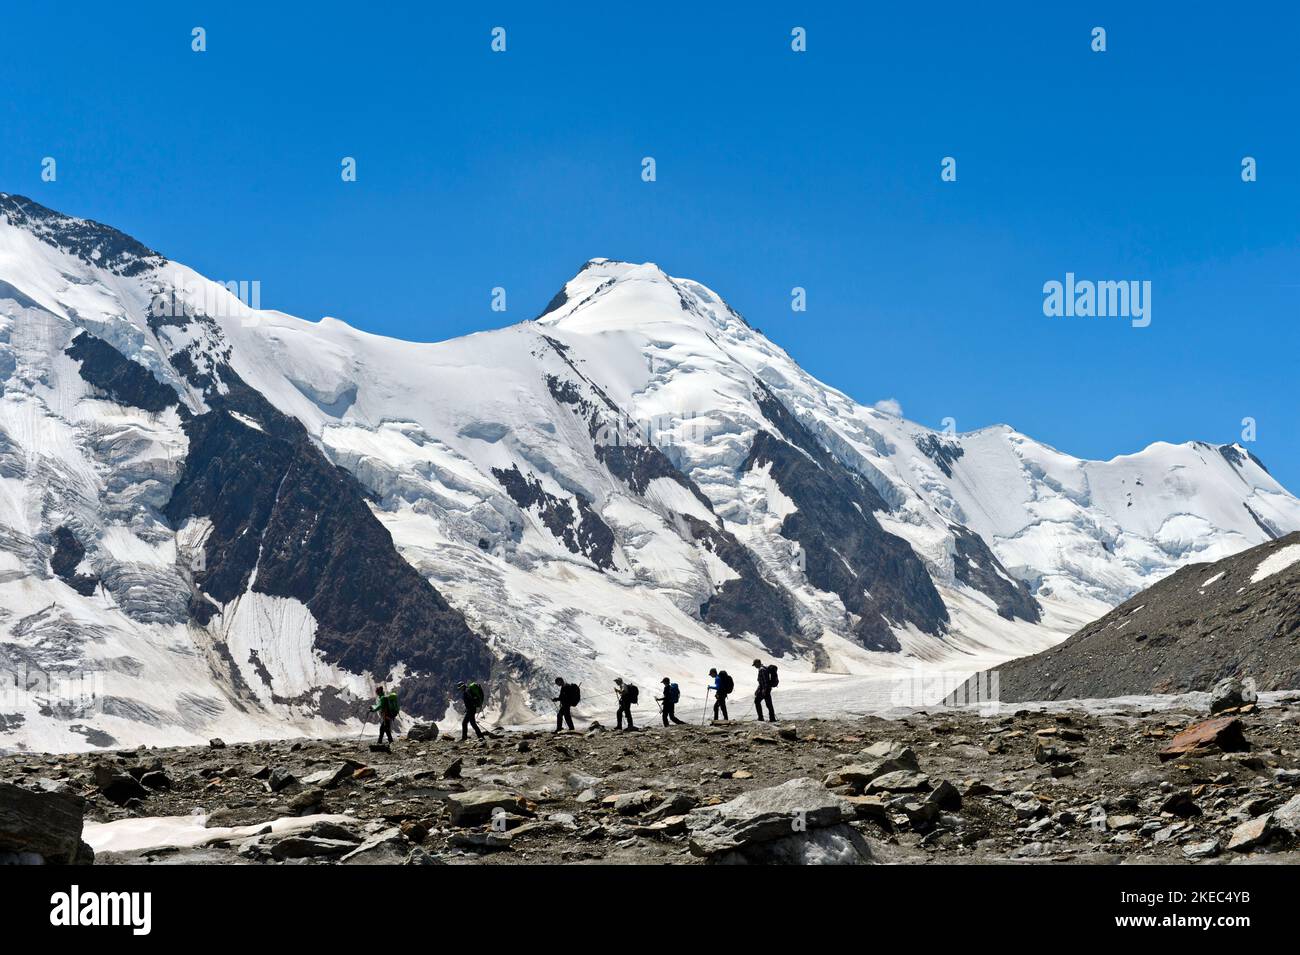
{"x":940,"y":787}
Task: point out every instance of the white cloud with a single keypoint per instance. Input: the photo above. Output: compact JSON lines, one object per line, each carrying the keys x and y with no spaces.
{"x":890,"y":406}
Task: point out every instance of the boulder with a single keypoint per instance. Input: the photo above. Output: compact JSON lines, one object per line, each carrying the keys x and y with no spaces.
{"x":678,"y":804}
{"x":1230,"y":693}
{"x":281,"y":778}
{"x":832,"y":845}
{"x":423,"y":732}
{"x":477,"y":805}
{"x":1287,"y":817}
{"x":308,"y":847}
{"x":217,"y":743}
{"x":331,"y":776}
{"x":795,"y":808}
{"x":1222,"y":734}
{"x":902,"y":781}
{"x":118,"y":787}
{"x":156,"y":779}
{"x":388,"y":847}
{"x":42,"y":826}
{"x":634,"y":803}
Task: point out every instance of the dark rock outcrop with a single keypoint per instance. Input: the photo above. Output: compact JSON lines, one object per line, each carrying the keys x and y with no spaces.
{"x":90,"y":241}
{"x":68,"y":553}
{"x":123,"y":380}
{"x":277,"y":505}
{"x":976,"y":566}
{"x":845,"y":550}
{"x":42,"y":826}
{"x":582,"y":533}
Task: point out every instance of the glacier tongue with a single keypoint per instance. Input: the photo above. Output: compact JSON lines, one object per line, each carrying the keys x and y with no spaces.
{"x":636,"y":483}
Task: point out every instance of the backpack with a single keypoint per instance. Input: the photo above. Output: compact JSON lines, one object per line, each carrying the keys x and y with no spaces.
{"x":475,"y":693}
{"x":772,"y":679}
{"x":725,"y":683}
{"x":631,"y":693}
{"x":674,"y":693}
{"x":570,"y":694}
{"x":391,"y":706}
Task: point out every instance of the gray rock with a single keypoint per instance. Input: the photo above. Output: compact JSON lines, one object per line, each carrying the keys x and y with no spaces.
{"x":1251,"y":834}
{"x":423,"y":732}
{"x":902,"y":781}
{"x":307,"y":847}
{"x":1202,"y":850}
{"x":477,"y":805}
{"x":1287,"y":817}
{"x":831,"y":845}
{"x":388,"y":847}
{"x":634,"y":803}
{"x":764,"y":815}
{"x":331,"y":776}
{"x":1231,"y":692}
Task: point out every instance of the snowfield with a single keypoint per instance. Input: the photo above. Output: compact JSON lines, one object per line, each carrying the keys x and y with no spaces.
{"x":486,"y":458}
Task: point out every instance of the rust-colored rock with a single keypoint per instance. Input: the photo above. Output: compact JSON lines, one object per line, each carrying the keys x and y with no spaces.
{"x":1223,"y":734}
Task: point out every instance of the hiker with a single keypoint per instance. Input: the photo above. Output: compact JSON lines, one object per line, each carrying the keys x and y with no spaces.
{"x":766,"y":680}
{"x":570,"y":695}
{"x":627,"y":695}
{"x":471,"y":694}
{"x":672,"y":693}
{"x":386,"y":707}
{"x":722,"y":685}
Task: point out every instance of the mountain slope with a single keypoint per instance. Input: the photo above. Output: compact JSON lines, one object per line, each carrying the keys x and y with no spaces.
{"x":237,"y":521}
{"x":1239,"y":616}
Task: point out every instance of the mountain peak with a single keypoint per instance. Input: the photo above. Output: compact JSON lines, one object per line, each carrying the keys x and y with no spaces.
{"x":93,"y":242}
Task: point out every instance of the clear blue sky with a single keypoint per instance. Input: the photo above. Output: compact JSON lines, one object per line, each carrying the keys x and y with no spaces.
{"x":775,"y":169}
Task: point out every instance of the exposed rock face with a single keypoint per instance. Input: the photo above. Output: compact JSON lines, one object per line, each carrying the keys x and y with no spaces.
{"x":122,"y":380}
{"x":748,"y":603}
{"x":582,"y":533}
{"x":280,"y":510}
{"x":68,"y":553}
{"x":1198,"y":626}
{"x":845,"y":550}
{"x":975,"y":565}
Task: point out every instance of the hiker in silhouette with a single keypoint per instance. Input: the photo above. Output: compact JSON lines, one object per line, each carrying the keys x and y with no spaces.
{"x":764,"y":692}
{"x":627,"y":694}
{"x":567,"y":697}
{"x":669,"y":701}
{"x":471,"y":695}
{"x":384,"y":707}
{"x":721,"y":686}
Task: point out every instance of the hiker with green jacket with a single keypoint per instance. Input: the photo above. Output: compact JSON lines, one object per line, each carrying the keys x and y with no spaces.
{"x":471,"y":695}
{"x":386,"y":707}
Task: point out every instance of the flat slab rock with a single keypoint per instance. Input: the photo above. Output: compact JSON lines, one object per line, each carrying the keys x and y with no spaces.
{"x":1223,"y":733}
{"x":765,"y":815}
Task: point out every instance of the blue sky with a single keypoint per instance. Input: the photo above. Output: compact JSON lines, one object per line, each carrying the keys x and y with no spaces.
{"x":775,"y":169}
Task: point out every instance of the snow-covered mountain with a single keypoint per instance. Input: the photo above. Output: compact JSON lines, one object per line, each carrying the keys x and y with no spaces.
{"x":227,"y":521}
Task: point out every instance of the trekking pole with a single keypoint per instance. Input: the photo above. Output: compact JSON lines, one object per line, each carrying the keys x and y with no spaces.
{"x":705,"y":715}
